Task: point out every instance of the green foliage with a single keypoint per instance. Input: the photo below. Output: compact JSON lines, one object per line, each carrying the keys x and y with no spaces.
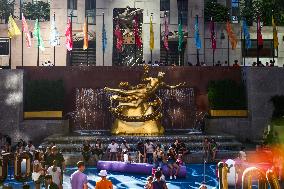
{"x":6,"y":8}
{"x":217,"y":11}
{"x":37,"y":10}
{"x":251,"y":9}
{"x":278,"y":103}
{"x":227,"y":95}
{"x":44,"y":95}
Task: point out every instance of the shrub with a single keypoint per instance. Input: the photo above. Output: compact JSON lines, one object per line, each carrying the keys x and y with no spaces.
{"x":278,"y":103}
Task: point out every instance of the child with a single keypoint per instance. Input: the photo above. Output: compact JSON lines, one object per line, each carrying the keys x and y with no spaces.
{"x":50,"y":184}
{"x":179,"y":160}
{"x":148,"y":185}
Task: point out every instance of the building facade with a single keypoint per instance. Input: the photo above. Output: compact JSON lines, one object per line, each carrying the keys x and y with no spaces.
{"x":111,"y":12}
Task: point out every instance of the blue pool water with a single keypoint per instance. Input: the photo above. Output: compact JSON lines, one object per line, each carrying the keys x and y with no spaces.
{"x":131,"y":181}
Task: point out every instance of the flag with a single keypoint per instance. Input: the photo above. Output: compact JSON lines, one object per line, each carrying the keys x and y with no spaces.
{"x":166,"y":35}
{"x":54,"y":38}
{"x":196,"y":34}
{"x":37,"y":35}
{"x":68,"y":34}
{"x":86,"y":35}
{"x":152,"y":41}
{"x":180,"y":37}
{"x":104,"y":38}
{"x":259,"y":35}
{"x":138,"y":41}
{"x":231,"y":35}
{"x":246,"y":34}
{"x":213,"y":35}
{"x":26,"y":31}
{"x":119,"y":37}
{"x":13,"y":29}
{"x":275,"y":34}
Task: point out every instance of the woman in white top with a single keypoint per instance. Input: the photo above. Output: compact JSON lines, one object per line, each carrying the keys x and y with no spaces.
{"x":55,"y":172}
{"x":113,"y":148}
{"x":149,"y":150}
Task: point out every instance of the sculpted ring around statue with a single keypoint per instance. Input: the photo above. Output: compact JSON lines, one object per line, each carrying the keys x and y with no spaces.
{"x":137,"y":108}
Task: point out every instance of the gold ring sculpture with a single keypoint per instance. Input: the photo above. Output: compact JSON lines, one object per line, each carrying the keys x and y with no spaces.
{"x":138,"y":109}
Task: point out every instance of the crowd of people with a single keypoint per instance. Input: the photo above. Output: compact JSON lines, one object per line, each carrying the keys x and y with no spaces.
{"x":210,"y":147}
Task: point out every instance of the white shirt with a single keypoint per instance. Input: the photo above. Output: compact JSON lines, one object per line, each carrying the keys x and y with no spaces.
{"x":124,"y":147}
{"x":55,"y":175}
{"x":113,"y":147}
{"x":149,"y":148}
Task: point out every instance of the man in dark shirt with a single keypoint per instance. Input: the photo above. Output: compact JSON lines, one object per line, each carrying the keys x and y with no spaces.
{"x":50,"y":184}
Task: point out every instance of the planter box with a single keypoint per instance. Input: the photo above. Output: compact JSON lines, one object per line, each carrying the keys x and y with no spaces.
{"x":228,"y":113}
{"x":43,"y":114}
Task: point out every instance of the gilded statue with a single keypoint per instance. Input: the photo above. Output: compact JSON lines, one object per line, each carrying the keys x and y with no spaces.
{"x":137,"y":108}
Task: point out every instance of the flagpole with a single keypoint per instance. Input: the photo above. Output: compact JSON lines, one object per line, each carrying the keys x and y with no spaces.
{"x":103,"y":40}
{"x":54,"y":46}
{"x":135,"y":46}
{"x":151,"y":51}
{"x":38,"y":42}
{"x":257,"y":44}
{"x":10,"y":58}
{"x":244,"y":46}
{"x":87,"y":26}
{"x":167,"y":52}
{"x":71,"y":28}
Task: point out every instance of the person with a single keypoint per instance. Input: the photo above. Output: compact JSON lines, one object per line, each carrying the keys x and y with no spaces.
{"x":47,"y":157}
{"x":56,"y":155}
{"x":30,"y":147}
{"x":124,"y":148}
{"x":176,"y":146}
{"x":213,"y":149}
{"x":206,"y":148}
{"x":158,"y":156}
{"x":103,"y":183}
{"x":113,"y":147}
{"x":242,"y":154}
{"x":202,"y":186}
{"x":254,"y":64}
{"x":189,"y":64}
{"x":267,"y":64}
{"x":158,"y":183}
{"x":179,"y":161}
{"x":37,"y":170}
{"x":98,"y":150}
{"x":172,"y":163}
{"x":140,"y":151}
{"x":86,"y":151}
{"x":50,"y":184}
{"x":149,"y":182}
{"x":183,"y":149}
{"x":148,"y":151}
{"x":236,"y":64}
{"x":55,"y":172}
{"x":78,"y":179}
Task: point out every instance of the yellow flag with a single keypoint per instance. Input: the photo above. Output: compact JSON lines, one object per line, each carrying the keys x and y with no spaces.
{"x":152,"y":42}
{"x":231,"y":35}
{"x":275,"y":34}
{"x":13,"y":29}
{"x":86,"y":37}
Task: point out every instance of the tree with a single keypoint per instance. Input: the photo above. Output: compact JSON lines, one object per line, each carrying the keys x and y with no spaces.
{"x":217,"y":11}
{"x":37,"y":10}
{"x":6,"y":8}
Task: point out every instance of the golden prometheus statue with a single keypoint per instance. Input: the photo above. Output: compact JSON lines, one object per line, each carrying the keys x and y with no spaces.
{"x":137,"y":109}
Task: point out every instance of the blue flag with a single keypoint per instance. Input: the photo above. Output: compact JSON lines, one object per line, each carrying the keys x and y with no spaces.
{"x":104,"y":38}
{"x":196,"y":34}
{"x":246,"y":34}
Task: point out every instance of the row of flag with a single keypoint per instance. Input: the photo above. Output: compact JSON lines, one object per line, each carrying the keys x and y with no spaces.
{"x":54,"y":39}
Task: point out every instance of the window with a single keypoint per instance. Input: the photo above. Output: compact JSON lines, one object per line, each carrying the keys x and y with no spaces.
{"x":90,"y":4}
{"x":4,"y":46}
{"x":182,"y":11}
{"x":165,"y":5}
{"x":265,"y":52}
{"x":72,"y":4}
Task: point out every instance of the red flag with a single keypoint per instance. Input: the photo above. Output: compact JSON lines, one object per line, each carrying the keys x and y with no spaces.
{"x":68,"y":34}
{"x":26,"y":31}
{"x":166,"y":36}
{"x":138,"y":40}
{"x":213,"y":34}
{"x":259,"y":35}
{"x":119,"y":37}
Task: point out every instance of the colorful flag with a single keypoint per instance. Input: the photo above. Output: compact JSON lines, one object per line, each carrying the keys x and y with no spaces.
{"x":275,"y":34}
{"x":196,"y":34}
{"x":68,"y":34}
{"x":104,"y":38}
{"x":166,"y":34}
{"x":180,"y":37}
{"x":213,"y":35}
{"x":13,"y":29}
{"x":54,"y":38}
{"x":26,"y":31}
{"x":86,"y":35}
{"x":231,"y":35}
{"x":259,"y":35}
{"x":152,"y":41}
{"x":246,"y":34}
{"x":119,"y":37}
{"x":37,"y":35}
{"x":138,"y":41}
